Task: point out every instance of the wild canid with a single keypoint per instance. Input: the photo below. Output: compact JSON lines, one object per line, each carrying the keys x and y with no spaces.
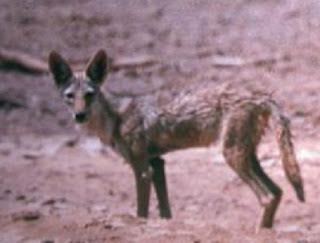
{"x":162,"y":122}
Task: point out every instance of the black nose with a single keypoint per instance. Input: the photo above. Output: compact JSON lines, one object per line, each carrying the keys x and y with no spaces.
{"x":80,"y":117}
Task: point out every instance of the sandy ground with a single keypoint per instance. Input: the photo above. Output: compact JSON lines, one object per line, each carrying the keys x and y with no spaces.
{"x":52,"y":191}
{"x":55,"y":187}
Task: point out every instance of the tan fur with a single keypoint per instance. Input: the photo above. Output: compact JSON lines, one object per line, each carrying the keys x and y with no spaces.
{"x":154,"y":124}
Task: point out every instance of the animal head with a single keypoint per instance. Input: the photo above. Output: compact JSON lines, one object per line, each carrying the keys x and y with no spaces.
{"x":79,"y":90}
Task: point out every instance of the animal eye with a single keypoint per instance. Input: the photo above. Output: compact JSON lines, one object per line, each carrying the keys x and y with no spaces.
{"x":70,"y":96}
{"x":89,"y":96}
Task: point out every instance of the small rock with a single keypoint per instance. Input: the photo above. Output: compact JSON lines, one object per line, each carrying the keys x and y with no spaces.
{"x":20,"y":197}
{"x":31,"y":156}
{"x":108,"y":226}
{"x":52,"y":201}
{"x":7,"y":191}
{"x":111,"y":192}
{"x":47,"y":241}
{"x":26,"y":216}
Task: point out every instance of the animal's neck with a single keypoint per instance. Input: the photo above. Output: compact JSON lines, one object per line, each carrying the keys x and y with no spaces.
{"x":103,"y":121}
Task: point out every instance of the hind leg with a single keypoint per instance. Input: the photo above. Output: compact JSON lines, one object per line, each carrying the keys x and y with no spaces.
{"x":267,"y":192}
{"x":241,"y":139}
{"x":270,"y":206}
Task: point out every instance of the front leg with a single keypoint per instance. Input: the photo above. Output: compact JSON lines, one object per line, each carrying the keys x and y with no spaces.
{"x":160,"y":185}
{"x":143,"y":177}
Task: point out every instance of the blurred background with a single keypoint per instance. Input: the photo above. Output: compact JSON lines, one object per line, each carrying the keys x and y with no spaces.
{"x":57,"y":187}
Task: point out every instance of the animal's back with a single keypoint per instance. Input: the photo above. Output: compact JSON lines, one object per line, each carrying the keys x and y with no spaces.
{"x":192,"y":117}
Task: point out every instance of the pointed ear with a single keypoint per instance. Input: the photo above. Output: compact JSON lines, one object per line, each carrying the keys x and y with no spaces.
{"x":97,"y":69}
{"x":59,"y":68}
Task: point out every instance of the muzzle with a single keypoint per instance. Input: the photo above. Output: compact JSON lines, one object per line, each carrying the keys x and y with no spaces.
{"x":80,"y":117}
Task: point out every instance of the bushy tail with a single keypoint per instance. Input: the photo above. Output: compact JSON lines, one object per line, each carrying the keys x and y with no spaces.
{"x":290,"y":164}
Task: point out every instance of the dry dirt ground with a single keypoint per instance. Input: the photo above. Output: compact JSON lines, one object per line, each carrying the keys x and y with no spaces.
{"x":57,"y":187}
